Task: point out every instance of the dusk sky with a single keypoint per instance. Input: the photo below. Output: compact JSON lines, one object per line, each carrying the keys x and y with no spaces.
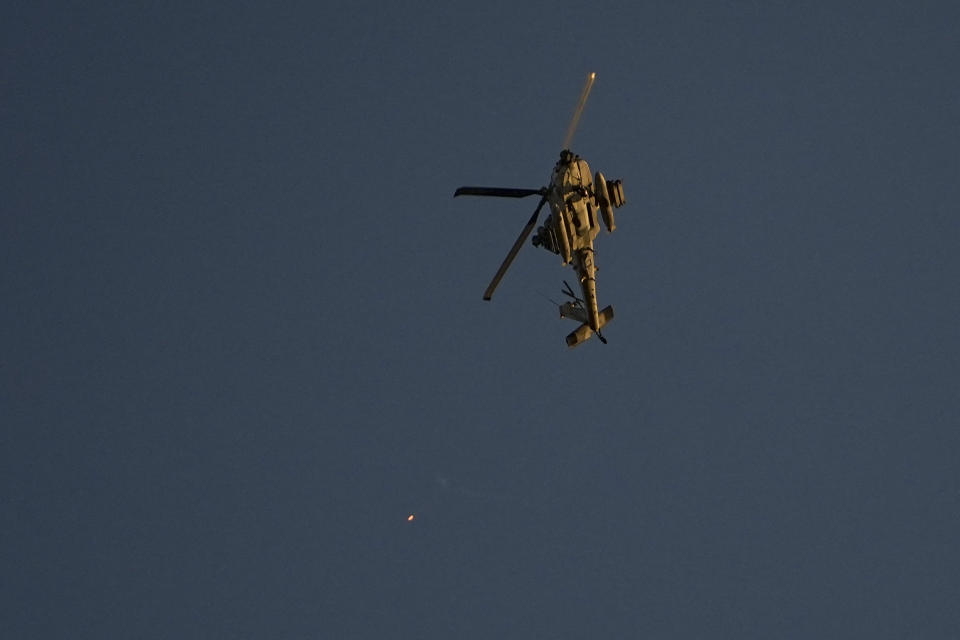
{"x":243,"y":336}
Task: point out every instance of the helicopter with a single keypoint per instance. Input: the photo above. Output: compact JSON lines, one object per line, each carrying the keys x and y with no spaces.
{"x":575,"y":197}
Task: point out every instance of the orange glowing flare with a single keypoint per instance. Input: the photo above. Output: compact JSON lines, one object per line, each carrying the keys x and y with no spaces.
{"x":410,"y":518}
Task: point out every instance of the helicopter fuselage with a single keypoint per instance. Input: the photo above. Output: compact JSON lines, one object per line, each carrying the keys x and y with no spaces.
{"x":575,"y":198}
{"x":573,"y":225}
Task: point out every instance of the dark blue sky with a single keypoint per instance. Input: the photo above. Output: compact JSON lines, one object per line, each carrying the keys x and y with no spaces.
{"x":243,"y":335}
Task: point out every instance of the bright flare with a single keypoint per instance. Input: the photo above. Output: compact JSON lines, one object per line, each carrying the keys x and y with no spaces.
{"x":410,"y":518}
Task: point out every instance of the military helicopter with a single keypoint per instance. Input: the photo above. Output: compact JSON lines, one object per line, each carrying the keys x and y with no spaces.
{"x":569,"y":231}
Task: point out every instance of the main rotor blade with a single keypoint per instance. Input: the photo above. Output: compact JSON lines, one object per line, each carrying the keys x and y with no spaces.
{"x":514,"y":250}
{"x":579,"y":110}
{"x":497,"y":191}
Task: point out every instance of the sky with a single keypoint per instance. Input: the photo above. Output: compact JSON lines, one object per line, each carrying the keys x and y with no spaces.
{"x":243,"y":336}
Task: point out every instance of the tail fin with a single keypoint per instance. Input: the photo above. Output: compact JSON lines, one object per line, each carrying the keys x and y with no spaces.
{"x":584,"y":331}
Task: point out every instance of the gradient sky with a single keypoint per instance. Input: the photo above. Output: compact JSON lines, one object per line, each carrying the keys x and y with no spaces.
{"x":243,"y":336}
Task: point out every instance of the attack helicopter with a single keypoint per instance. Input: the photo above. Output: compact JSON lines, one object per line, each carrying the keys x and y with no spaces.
{"x":575,"y":197}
